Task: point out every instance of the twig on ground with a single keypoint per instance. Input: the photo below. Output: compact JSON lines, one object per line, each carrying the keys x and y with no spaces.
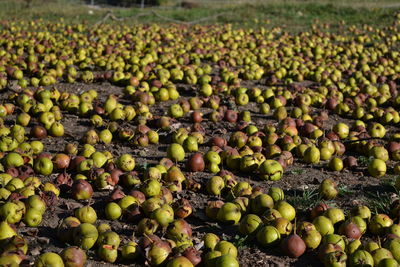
{"x":110,"y":15}
{"x":365,"y":139}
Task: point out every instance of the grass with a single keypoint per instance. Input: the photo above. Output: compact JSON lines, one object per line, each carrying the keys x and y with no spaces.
{"x":297,"y":171}
{"x":379,"y":202}
{"x":306,"y":200}
{"x":344,"y":190}
{"x":379,"y":199}
{"x":240,"y":241}
{"x":363,"y":161}
{"x":310,"y":197}
{"x":291,"y":15}
{"x":390,"y":184}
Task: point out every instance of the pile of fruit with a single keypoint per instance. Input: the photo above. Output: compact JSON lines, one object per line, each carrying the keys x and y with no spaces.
{"x":157,"y":145}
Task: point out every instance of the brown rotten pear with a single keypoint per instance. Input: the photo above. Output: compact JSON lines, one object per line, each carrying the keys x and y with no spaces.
{"x":196,"y":163}
{"x":293,"y":246}
{"x":81,"y":190}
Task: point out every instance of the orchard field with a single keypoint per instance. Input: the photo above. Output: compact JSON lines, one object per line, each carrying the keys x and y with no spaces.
{"x":197,"y":137}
